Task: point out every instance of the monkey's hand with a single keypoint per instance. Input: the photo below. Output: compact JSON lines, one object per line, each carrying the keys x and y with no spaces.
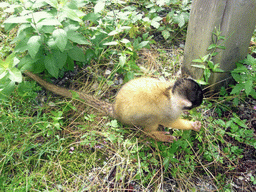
{"x":196,"y":126}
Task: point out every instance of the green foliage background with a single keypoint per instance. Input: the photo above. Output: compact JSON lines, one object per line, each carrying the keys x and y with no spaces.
{"x":48,"y":144}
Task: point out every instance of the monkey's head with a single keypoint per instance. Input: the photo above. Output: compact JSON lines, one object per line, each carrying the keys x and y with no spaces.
{"x":190,"y":91}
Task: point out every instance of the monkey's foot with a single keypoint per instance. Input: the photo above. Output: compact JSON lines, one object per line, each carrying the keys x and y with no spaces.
{"x":162,"y":136}
{"x":196,"y":126}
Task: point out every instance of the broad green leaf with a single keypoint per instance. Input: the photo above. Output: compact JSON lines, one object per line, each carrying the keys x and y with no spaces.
{"x":77,"y":38}
{"x":51,"y":43}
{"x":210,"y":64}
{"x":237,"y":77}
{"x":3,"y":72}
{"x":38,"y":4}
{"x":41,"y":15}
{"x":26,"y":63}
{"x":204,"y":58}
{"x":8,"y":62}
{"x":143,"y":44}
{"x":69,"y":64}
{"x":8,"y":89}
{"x":53,"y":3}
{"x":75,"y":95}
{"x":99,"y":6}
{"x":197,"y":61}
{"x":51,"y":66}
{"x":248,"y":86}
{"x":238,"y":121}
{"x":217,"y":68}
{"x":125,"y":28}
{"x":19,"y":19}
{"x":71,"y":14}
{"x":22,"y":45}
{"x":114,"y":32}
{"x":236,"y":101}
{"x":47,"y":29}
{"x":122,"y":59}
{"x":212,"y":46}
{"x":76,"y":4}
{"x":207,"y":74}
{"x":221,"y":47}
{"x":77,"y":54}
{"x":146,"y":19}
{"x":114,"y":124}
{"x":60,"y":37}
{"x":89,"y":55}
{"x":157,"y":18}
{"x":49,"y":21}
{"x":60,"y":58}
{"x":155,"y":24}
{"x":253,"y":93}
{"x":166,"y":34}
{"x":240,"y":69}
{"x":221,"y":37}
{"x":9,"y":26}
{"x":39,"y":65}
{"x":215,"y":53}
{"x":71,"y":28}
{"x":201,"y":82}
{"x":179,"y":19}
{"x":160,"y":2}
{"x":4,"y":4}
{"x":125,"y":41}
{"x":24,"y":30}
{"x":111,"y":43}
{"x":93,"y":17}
{"x":237,"y":89}
{"x":34,"y":44}
{"x":250,"y":60}
{"x":15,"y":75}
{"x":199,"y":66}
{"x":129,"y":76}
{"x":15,"y":62}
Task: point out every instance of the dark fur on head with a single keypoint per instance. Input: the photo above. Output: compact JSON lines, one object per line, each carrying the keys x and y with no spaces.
{"x":190,"y":90}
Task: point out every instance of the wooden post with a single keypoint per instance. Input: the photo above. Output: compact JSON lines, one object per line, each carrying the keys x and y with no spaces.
{"x":236,"y":20}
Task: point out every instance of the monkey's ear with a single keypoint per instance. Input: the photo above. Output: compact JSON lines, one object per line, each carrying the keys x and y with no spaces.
{"x":167,"y":91}
{"x":185,"y":104}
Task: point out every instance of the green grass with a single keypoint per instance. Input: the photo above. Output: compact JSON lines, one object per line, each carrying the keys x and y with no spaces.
{"x":49,"y":143}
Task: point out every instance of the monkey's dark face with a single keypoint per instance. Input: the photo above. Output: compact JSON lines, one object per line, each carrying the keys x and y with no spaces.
{"x":190,"y":90}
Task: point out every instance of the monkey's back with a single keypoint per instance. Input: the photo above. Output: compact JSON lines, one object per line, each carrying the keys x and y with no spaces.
{"x":141,"y":100}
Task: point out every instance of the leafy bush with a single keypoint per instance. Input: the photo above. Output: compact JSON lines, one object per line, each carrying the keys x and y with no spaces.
{"x":53,"y":35}
{"x":206,"y":62}
{"x":245,"y":77}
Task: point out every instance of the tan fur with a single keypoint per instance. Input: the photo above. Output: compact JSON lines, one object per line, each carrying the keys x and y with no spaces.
{"x":145,"y":102}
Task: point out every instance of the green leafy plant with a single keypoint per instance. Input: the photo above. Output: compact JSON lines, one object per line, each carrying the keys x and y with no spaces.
{"x":9,"y":75}
{"x":245,"y":77}
{"x":206,"y":62}
{"x":253,"y":180}
{"x":49,"y":32}
{"x":173,"y":20}
{"x":89,"y":117}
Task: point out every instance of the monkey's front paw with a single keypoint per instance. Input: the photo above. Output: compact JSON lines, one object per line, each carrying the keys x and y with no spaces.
{"x":196,"y":126}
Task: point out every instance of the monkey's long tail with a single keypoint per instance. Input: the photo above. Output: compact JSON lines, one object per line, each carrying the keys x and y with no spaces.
{"x":105,"y":107}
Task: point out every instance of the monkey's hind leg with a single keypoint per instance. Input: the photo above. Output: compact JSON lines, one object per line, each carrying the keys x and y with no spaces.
{"x":159,"y":135}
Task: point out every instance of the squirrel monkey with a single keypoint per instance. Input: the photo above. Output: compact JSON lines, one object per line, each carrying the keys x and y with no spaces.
{"x":145,"y":102}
